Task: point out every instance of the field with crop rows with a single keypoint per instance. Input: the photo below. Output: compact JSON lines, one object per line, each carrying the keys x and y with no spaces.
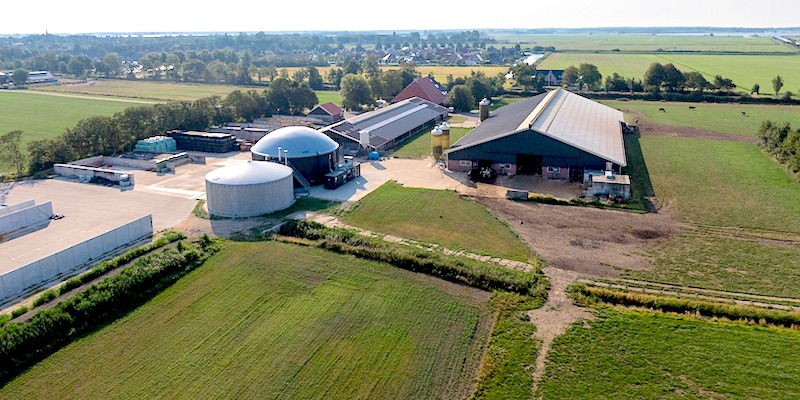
{"x":270,"y":320}
{"x":723,"y":117}
{"x":146,"y":90}
{"x":649,"y":43}
{"x":436,"y":216}
{"x":744,"y":70}
{"x":629,"y":355}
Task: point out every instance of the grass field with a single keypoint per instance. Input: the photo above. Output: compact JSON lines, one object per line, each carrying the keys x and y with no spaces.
{"x":147,"y":90}
{"x":712,"y":261}
{"x":436,"y":216}
{"x":270,"y":320}
{"x":724,"y":118}
{"x":629,"y":355}
{"x":744,"y":70}
{"x":421,"y":145}
{"x":652,"y":43}
{"x":325,"y":96}
{"x":44,"y":117}
{"x":722,"y":183}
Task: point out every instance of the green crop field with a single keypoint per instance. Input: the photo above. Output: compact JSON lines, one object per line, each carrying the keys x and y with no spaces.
{"x":708,"y":260}
{"x":721,"y":183}
{"x":724,"y":118}
{"x":270,"y":320}
{"x":43,"y":117}
{"x":744,"y":70}
{"x":420,"y":146}
{"x":436,"y":216}
{"x":649,"y":43}
{"x":325,"y":96}
{"x":629,"y":355}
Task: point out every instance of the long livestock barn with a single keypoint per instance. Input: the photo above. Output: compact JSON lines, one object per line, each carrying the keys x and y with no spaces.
{"x":387,"y":126}
{"x":557,"y":134}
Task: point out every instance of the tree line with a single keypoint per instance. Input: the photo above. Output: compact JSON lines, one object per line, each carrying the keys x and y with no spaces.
{"x":119,"y":133}
{"x":782,"y":142}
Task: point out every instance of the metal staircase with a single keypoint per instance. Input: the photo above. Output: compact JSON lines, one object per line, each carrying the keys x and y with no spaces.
{"x":305,"y":188}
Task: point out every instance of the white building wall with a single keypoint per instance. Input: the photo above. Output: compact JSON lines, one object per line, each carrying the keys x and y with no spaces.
{"x":72,"y":260}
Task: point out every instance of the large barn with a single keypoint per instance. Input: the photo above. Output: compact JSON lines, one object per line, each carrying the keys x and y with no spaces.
{"x":425,"y":88}
{"x":557,"y":134}
{"x":387,"y":126}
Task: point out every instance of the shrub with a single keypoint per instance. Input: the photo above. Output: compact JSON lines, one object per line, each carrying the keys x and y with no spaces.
{"x":16,"y":313}
{"x":45,"y":298}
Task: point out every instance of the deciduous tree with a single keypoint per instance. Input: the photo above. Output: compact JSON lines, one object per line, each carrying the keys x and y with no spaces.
{"x":777,"y":84}
{"x":460,"y":98}
{"x":11,"y":149}
{"x":356,"y":92}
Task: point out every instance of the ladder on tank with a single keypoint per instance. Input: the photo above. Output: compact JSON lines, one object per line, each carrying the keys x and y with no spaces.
{"x":305,"y":189}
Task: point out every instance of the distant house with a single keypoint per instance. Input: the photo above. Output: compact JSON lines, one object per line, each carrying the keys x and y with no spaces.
{"x":425,"y":88}
{"x":4,"y":79}
{"x":327,"y":112}
{"x":552,"y":77}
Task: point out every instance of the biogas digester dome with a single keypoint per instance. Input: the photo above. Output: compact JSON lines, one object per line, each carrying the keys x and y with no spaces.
{"x":311,"y":152}
{"x":249,"y":189}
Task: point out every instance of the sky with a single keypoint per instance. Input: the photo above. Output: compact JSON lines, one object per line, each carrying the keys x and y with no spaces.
{"x":92,"y":16}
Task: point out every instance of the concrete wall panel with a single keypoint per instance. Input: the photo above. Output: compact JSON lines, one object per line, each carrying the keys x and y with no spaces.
{"x":25,"y":218}
{"x":17,"y":207}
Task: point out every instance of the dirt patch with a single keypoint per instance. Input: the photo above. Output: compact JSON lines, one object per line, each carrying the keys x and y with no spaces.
{"x":194,"y":226}
{"x":648,"y":127}
{"x":585,"y":240}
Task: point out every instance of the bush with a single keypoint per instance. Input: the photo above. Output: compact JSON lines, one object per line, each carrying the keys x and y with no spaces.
{"x":45,"y":298}
{"x":16,"y":313}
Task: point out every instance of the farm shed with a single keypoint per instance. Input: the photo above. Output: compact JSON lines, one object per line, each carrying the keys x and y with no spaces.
{"x":557,"y":134}
{"x":327,"y":112}
{"x":552,"y":77}
{"x":310,"y":152}
{"x":610,"y":185}
{"x":207,"y":142}
{"x":249,"y":189}
{"x":425,"y":88}
{"x":387,"y":126}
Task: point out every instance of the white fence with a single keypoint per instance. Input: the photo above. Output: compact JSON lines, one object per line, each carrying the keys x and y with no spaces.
{"x":51,"y":268}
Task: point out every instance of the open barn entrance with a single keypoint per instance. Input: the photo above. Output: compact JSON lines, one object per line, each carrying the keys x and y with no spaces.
{"x":528,"y":164}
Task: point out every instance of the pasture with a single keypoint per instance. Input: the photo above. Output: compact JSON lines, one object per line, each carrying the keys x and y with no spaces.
{"x":632,"y":355}
{"x":271,"y":320}
{"x":43,"y":117}
{"x":420,"y":146}
{"x":744,"y":70}
{"x":722,"y":117}
{"x":647,"y":43}
{"x":146,"y":90}
{"x":722,"y":183}
{"x":436,"y":216}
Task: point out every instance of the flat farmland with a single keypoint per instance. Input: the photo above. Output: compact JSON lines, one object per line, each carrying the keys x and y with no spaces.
{"x":43,"y":117}
{"x":721,"y":183}
{"x":744,"y":70}
{"x":723,"y":118}
{"x":271,"y":320}
{"x":630,"y":355}
{"x":648,"y":43}
{"x":146,"y":90}
{"x":436,"y":216}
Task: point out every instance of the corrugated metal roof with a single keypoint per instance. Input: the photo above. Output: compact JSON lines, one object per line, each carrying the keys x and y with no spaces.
{"x":561,"y":115}
{"x":388,"y":123}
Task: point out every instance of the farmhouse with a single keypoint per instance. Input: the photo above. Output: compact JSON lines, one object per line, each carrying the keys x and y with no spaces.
{"x":327,"y":112}
{"x":386,"y":126}
{"x":557,"y":134}
{"x":424,"y":88}
{"x":552,"y":77}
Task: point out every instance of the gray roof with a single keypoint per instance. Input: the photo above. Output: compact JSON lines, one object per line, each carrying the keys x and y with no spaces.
{"x":561,"y":115}
{"x":388,"y":123}
{"x":300,"y":141}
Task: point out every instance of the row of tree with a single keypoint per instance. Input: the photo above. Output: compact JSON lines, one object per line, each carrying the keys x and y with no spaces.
{"x":119,"y":133}
{"x":779,"y":140}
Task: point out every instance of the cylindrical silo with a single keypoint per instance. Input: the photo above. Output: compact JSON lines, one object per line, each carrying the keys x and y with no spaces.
{"x":249,"y":189}
{"x":483,"y":109}
{"x":436,"y":143}
{"x":445,"y":127}
{"x":312,"y":153}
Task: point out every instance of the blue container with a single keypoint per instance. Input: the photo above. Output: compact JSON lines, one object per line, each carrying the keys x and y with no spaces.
{"x":373,"y":155}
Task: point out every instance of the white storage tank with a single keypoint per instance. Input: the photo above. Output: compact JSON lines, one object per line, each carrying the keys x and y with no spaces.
{"x":249,"y":189}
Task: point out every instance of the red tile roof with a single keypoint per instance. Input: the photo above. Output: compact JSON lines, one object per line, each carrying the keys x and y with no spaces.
{"x":331,"y":109}
{"x":425,"y":88}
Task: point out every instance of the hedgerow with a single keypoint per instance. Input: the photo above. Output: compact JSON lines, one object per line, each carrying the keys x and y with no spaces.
{"x":25,"y":343}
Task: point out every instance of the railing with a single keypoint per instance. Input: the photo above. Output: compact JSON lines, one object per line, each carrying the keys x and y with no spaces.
{"x":306,"y":187}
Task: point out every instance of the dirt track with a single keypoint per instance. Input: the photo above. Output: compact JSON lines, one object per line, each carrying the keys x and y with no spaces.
{"x":648,"y":127}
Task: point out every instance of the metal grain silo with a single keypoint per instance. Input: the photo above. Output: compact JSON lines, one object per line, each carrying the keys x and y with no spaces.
{"x":249,"y":189}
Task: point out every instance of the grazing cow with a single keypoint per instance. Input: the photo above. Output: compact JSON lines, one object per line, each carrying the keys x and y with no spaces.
{"x":692,"y":107}
{"x":662,"y":110}
{"x":743,"y":113}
